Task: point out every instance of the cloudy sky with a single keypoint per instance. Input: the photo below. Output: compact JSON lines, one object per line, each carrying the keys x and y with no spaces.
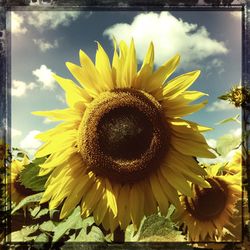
{"x":43,"y":41}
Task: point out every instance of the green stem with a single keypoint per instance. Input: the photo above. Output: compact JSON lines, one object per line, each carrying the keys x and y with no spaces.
{"x":119,"y":235}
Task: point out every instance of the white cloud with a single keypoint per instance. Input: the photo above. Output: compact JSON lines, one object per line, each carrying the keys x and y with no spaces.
{"x":216,"y":65}
{"x":220,"y":105}
{"x":47,"y":121}
{"x":15,"y":132}
{"x":44,"y":45}
{"x":17,"y":22}
{"x":61,"y":98}
{"x":236,"y":132}
{"x":44,"y":76}
{"x":170,"y":36}
{"x":236,"y":14}
{"x":29,"y":143}
{"x":20,"y":88}
{"x":51,"y":19}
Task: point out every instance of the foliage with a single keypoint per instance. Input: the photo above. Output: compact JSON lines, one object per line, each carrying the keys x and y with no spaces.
{"x":38,"y":224}
{"x":28,"y":200}
{"x":23,"y":235}
{"x":230,"y":119}
{"x":29,"y":176}
{"x":159,"y":228}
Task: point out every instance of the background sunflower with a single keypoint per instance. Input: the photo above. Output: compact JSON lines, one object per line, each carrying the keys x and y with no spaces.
{"x":15,"y":188}
{"x":211,"y":212}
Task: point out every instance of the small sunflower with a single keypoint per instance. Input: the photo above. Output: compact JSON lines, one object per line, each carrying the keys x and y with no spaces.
{"x":209,"y":213}
{"x":16,"y":189}
{"x":4,"y":152}
{"x":122,"y":150}
{"x":239,"y":96}
{"x":235,"y":165}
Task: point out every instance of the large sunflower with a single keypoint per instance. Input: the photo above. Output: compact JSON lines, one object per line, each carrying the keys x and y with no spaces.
{"x":122,"y":149}
{"x":210,"y":212}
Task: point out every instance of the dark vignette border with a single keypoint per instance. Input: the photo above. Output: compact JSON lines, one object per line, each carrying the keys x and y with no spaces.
{"x":123,"y":5}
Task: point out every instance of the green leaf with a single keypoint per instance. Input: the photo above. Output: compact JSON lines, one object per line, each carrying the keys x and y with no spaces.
{"x":230,"y":119}
{"x":29,"y":176}
{"x":95,"y":235}
{"x":41,"y":213}
{"x":48,"y":226}
{"x":27,"y":200}
{"x":35,"y":211}
{"x":42,"y":238}
{"x":227,"y":143}
{"x":72,"y":222}
{"x":23,"y":234}
{"x":131,"y":235}
{"x":159,"y":228}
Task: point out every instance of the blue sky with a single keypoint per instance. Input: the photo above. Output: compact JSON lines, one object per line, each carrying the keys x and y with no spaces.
{"x":43,"y":41}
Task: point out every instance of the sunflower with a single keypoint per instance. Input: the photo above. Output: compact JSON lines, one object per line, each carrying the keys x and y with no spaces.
{"x":16,"y":190}
{"x":235,"y":165}
{"x":4,"y":152}
{"x":122,"y":150}
{"x":208,"y":215}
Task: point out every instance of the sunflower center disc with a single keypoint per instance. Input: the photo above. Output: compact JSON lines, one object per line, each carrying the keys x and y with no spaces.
{"x":208,"y":202}
{"x":123,"y":135}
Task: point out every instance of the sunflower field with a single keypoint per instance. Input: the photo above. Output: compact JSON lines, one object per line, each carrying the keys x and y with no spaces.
{"x":124,"y":166}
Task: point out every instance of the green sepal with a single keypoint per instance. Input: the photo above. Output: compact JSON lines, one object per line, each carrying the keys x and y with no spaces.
{"x":224,"y":97}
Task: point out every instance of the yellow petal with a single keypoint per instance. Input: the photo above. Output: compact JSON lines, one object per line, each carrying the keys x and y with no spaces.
{"x":180,"y":83}
{"x":187,"y":132}
{"x":111,"y":198}
{"x":157,"y":79}
{"x":59,"y":129}
{"x":73,"y":92}
{"x":103,"y":66}
{"x":130,"y":68}
{"x":115,"y":64}
{"x":159,"y":194}
{"x":136,"y":200}
{"x":124,"y":207}
{"x":193,"y":177}
{"x":101,"y":209}
{"x":169,"y":191}
{"x":149,"y":58}
{"x":172,"y":111}
{"x":191,"y":148}
{"x":176,"y":180}
{"x":76,"y":195}
{"x":57,"y":115}
{"x":57,"y":159}
{"x":85,"y":77}
{"x":65,"y":142}
{"x":150,"y":205}
{"x":92,"y":197}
